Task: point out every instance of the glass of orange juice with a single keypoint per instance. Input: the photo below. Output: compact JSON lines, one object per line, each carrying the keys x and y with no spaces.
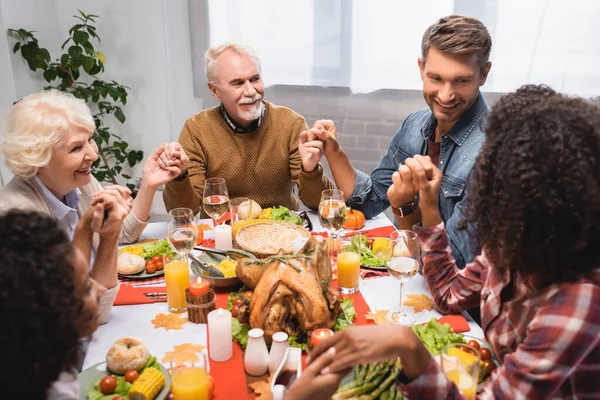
{"x":460,"y":363}
{"x":189,"y":380}
{"x":348,"y":266}
{"x":177,"y":279}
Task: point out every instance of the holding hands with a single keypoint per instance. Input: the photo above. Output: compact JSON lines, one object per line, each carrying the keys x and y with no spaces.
{"x":109,"y":208}
{"x":167,"y":162}
{"x":320,"y":139}
{"x":410,"y":179}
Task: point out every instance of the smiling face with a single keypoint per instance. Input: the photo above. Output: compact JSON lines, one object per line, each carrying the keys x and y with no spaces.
{"x":90,"y":292}
{"x":71,"y":162}
{"x":451,"y":84}
{"x":239,"y":86}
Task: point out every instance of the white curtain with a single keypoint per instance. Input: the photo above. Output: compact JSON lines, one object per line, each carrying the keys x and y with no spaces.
{"x":374,"y":44}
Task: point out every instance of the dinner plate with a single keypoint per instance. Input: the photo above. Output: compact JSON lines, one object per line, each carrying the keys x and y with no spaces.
{"x":143,"y":275}
{"x":219,"y":282}
{"x":88,"y":377}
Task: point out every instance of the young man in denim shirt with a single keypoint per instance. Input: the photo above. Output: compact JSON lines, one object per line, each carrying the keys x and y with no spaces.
{"x":453,"y":65}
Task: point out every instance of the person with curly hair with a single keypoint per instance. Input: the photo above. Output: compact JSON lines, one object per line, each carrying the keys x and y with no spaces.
{"x":535,"y":202}
{"x":49,"y":301}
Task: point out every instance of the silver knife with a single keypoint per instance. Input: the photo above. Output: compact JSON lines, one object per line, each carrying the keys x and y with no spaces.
{"x":212,"y":271}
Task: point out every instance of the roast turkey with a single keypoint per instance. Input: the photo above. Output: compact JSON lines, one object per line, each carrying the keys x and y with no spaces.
{"x":291,"y":292}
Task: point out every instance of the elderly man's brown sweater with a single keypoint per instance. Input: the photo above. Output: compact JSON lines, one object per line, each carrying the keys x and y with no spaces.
{"x":262,"y":165}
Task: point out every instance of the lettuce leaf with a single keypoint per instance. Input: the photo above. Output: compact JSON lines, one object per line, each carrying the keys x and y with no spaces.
{"x":346,"y":317}
{"x":282,"y":213}
{"x":435,"y":335}
{"x":122,"y":389}
{"x":160,"y":247}
{"x":293,"y":342}
{"x":239,"y":332}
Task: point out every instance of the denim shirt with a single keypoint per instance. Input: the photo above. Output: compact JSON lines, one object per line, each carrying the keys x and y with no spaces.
{"x":458,"y":151}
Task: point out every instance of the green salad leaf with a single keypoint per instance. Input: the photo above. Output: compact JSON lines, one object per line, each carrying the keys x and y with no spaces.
{"x":435,"y":335}
{"x":122,"y":389}
{"x":367,"y":257}
{"x":294,"y":342}
{"x":160,"y":247}
{"x":239,"y":332}
{"x":346,"y":317}
{"x":282,"y":213}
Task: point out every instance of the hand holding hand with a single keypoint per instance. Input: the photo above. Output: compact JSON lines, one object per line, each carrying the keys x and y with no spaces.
{"x":310,"y":151}
{"x":428,"y":179}
{"x":325,"y":131}
{"x":167,"y":162}
{"x":112,"y":204}
{"x":313,"y":385}
{"x":404,"y":187}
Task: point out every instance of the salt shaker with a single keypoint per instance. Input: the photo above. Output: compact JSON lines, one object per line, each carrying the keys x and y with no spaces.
{"x":280,"y":343}
{"x":256,"y":359}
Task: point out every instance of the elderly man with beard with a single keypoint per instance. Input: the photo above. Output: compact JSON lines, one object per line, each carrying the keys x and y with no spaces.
{"x":251,"y":143}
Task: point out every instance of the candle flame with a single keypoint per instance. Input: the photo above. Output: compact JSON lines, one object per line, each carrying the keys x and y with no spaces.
{"x":199,"y":280}
{"x":220,"y":312}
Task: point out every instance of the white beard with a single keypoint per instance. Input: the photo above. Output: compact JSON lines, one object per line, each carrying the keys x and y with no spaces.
{"x":254,"y":112}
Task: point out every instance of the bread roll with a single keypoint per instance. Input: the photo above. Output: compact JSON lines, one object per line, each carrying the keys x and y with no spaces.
{"x":130,"y":264}
{"x":126,"y":354}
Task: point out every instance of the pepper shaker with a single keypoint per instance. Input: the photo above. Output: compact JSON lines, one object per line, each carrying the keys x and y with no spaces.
{"x":278,"y":347}
{"x":256,"y":358}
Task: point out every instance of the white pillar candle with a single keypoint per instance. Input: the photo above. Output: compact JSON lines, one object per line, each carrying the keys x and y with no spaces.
{"x":223,"y":237}
{"x":219,"y":333}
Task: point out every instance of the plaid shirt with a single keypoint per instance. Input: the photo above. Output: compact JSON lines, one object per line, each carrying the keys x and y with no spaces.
{"x":548,"y":340}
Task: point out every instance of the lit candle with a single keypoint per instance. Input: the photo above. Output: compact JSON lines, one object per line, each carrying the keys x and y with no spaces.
{"x":223,"y":238}
{"x":199,"y":287}
{"x":318,"y":335}
{"x":219,"y":333}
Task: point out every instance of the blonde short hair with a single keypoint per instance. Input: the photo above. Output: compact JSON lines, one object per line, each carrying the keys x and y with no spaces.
{"x":39,"y":123}
{"x":212,"y":55}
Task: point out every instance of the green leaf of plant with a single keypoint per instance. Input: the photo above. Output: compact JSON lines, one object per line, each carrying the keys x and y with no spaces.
{"x":50,"y":74}
{"x":65,"y":43}
{"x":126,"y":176}
{"x":45,"y":55}
{"x":64,"y":60}
{"x":101,"y":57}
{"x":17,"y":47}
{"x":131,"y":186}
{"x":94,"y":70}
{"x":80,"y":37}
{"x":75,"y":52}
{"x":88,"y":63}
{"x":88,"y":48}
{"x":100,"y":175}
{"x":119,"y":115}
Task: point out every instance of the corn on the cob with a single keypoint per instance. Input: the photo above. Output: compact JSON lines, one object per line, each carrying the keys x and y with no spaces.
{"x":136,"y":249}
{"x":380,"y":246}
{"x":227,"y":267}
{"x":147,"y":386}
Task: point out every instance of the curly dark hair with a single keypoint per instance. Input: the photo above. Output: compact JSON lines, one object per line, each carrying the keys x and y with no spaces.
{"x":536,"y":185}
{"x":39,"y":306}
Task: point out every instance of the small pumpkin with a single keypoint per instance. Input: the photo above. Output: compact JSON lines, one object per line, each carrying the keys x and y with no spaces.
{"x":354,"y":219}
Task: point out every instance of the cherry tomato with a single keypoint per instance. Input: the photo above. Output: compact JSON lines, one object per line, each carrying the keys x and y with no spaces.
{"x":149,"y":262}
{"x":131,"y":376}
{"x":118,"y":398}
{"x":159,"y":265}
{"x":108,"y":384}
{"x":248,"y":294}
{"x":237,"y":301}
{"x":485,"y":353}
{"x":157,"y":258}
{"x":235,"y":311}
{"x":370,"y":242}
{"x":474,"y":343}
{"x":489,"y":366}
{"x":167,"y":259}
{"x":151,"y":268}
{"x":170,"y":396}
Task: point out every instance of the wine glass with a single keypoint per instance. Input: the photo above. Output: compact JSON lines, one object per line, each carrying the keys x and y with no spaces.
{"x":215,"y":198}
{"x":403,"y":263}
{"x":332,"y":214}
{"x":182,"y":231}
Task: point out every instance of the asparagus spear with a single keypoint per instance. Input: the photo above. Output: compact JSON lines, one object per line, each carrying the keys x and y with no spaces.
{"x":381,"y":389}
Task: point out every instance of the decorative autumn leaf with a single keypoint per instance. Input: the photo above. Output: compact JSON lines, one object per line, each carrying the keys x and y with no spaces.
{"x":262,"y":389}
{"x":204,"y":227}
{"x":180,"y":358}
{"x":169,"y":321}
{"x":183,"y":353}
{"x":379,"y":316}
{"x":195,"y":348}
{"x":419,"y":302}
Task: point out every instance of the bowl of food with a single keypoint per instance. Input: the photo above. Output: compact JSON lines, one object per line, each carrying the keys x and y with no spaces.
{"x":226,"y":265}
{"x":270,"y":238}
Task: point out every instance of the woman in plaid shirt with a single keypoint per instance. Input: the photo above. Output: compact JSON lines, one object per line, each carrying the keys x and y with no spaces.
{"x":536,"y":203}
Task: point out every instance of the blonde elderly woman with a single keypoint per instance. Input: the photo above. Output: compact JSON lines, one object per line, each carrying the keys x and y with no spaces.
{"x":49,"y":146}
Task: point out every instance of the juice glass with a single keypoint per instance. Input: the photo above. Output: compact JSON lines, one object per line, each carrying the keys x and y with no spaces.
{"x":460,"y":363}
{"x":348,"y":264}
{"x":189,"y":381}
{"x":177,"y":279}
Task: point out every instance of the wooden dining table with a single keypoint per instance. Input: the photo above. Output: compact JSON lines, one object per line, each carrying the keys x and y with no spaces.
{"x":380,"y":293}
